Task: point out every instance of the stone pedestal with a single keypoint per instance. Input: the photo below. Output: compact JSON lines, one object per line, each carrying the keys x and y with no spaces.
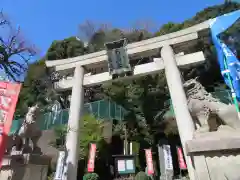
{"x":25,"y":167}
{"x":215,"y":155}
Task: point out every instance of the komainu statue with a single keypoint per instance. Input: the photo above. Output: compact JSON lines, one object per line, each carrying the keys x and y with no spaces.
{"x":27,"y":136}
{"x":208,"y":112}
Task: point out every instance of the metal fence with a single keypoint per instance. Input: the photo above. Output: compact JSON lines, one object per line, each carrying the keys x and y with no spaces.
{"x":103,"y":109}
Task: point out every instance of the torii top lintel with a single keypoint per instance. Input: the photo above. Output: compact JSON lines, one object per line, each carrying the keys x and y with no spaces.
{"x":178,"y":37}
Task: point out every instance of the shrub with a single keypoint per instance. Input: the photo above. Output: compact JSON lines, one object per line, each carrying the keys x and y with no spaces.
{"x":141,"y":176}
{"x":91,"y":176}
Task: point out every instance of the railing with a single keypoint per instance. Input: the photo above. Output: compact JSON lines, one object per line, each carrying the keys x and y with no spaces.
{"x":102,"y":109}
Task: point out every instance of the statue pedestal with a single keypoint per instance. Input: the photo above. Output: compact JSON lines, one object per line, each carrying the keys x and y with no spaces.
{"x":215,"y":155}
{"x":25,"y":167}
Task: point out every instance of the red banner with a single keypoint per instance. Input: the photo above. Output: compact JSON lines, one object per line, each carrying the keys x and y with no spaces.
{"x":91,"y":160}
{"x":181,"y":161}
{"x":8,"y":100}
{"x":148,"y":154}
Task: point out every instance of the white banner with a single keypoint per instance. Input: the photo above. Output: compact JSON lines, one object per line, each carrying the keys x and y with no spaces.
{"x":167,"y":157}
{"x":60,"y":166}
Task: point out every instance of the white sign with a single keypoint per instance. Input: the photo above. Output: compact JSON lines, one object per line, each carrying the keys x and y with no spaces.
{"x":167,"y":157}
{"x":129,"y":164}
{"x":121,"y":165}
{"x":60,"y":166}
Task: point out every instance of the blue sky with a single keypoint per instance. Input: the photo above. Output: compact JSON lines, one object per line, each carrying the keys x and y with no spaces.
{"x":43,"y":21}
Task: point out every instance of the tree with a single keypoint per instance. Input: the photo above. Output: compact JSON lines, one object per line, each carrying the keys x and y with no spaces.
{"x":136,"y":96}
{"x":145,"y":24}
{"x":3,"y":19}
{"x":66,"y":48}
{"x":15,"y":52}
{"x":88,"y":28}
{"x":169,"y":28}
{"x":91,"y":131}
{"x":101,"y":37}
{"x":38,"y":85}
{"x":207,"y":13}
{"x":143,"y":119}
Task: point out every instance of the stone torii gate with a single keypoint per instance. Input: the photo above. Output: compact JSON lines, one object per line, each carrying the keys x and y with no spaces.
{"x":178,"y":42}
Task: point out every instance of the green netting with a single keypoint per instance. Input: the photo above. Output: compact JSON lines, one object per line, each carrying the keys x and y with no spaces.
{"x":102,"y":109}
{"x":15,"y":125}
{"x":223,"y":96}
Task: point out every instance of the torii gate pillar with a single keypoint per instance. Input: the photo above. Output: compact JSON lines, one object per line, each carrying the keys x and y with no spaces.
{"x":179,"y":102}
{"x":76,"y":110}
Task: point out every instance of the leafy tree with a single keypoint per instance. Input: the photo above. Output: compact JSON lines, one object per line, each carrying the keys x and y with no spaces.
{"x":136,"y":96}
{"x":142,"y":176}
{"x":69,"y":47}
{"x":145,"y":98}
{"x":38,"y":86}
{"x":169,"y":28}
{"x":35,"y":88}
{"x":91,"y":176}
{"x":91,"y":131}
{"x":207,"y":13}
{"x":101,"y":37}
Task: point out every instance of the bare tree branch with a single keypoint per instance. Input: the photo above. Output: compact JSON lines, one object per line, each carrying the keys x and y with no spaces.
{"x":147,"y":25}
{"x":15,"y":52}
{"x":88,"y":28}
{"x":3,"y":19}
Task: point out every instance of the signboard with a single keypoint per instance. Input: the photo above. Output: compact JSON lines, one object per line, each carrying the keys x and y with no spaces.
{"x":118,"y":61}
{"x":91,"y":160}
{"x":124,"y":164}
{"x":130,"y":164}
{"x":60,"y":166}
{"x":148,"y":154}
{"x":167,"y":157}
{"x":9,"y":93}
{"x":181,"y":161}
{"x":121,"y":166}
